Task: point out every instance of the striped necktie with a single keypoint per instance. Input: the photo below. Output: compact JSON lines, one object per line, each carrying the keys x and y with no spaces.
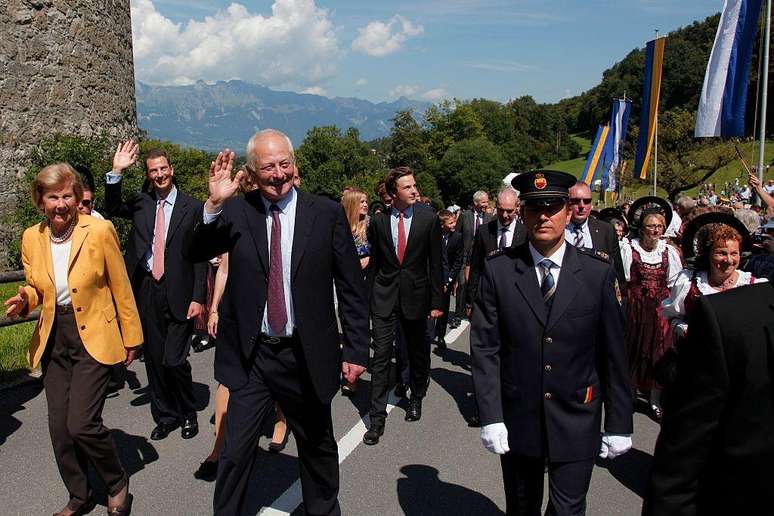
{"x":547,"y":284}
{"x":578,"y":236}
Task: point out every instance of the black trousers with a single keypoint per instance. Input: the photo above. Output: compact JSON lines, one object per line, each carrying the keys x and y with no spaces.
{"x":76,"y":386}
{"x":383,"y":330}
{"x":442,"y":322}
{"x":459,"y":309}
{"x":167,"y":343}
{"x":278,"y":372}
{"x":568,"y":483}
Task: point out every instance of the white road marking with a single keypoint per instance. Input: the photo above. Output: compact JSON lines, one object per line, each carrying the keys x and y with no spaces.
{"x":292,"y":498}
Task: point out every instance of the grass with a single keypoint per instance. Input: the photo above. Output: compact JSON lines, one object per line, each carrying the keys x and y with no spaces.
{"x":14,"y":342}
{"x":728,"y":173}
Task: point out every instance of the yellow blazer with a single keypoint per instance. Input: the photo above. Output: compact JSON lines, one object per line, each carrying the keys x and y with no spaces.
{"x":99,"y":289}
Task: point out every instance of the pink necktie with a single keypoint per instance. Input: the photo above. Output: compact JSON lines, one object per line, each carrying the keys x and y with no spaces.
{"x":157,"y":267}
{"x":277,"y":314}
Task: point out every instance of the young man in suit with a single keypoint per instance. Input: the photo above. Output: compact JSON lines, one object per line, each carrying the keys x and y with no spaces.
{"x":453,"y":254}
{"x":715,"y":452}
{"x":546,"y":343}
{"x":468,"y":224}
{"x":277,"y":332}
{"x":169,"y":288}
{"x":501,"y":233}
{"x":588,"y":232}
{"x":407,"y":289}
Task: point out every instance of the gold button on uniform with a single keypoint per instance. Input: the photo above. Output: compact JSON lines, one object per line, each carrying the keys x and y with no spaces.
{"x":547,"y":368}
{"x":547,"y":395}
{"x":548,"y":340}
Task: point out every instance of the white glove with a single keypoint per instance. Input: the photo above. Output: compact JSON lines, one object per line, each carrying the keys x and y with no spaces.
{"x":494,"y":437}
{"x":614,"y":445}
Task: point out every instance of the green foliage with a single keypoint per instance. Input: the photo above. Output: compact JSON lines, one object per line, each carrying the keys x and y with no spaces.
{"x":470,"y":165}
{"x":14,"y":342}
{"x":407,"y":142}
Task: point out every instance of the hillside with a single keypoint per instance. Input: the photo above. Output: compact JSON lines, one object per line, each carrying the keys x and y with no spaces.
{"x":213,"y":116}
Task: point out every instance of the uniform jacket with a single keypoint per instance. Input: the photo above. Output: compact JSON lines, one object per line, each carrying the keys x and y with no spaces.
{"x":548,"y":373}
{"x":486,"y":241}
{"x":603,"y":238}
{"x":715,"y":453}
{"x":100,"y":291}
{"x":323,"y":250}
{"x":415,"y":286}
{"x":184,"y":280}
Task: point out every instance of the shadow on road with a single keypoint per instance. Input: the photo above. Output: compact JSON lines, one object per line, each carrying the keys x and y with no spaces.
{"x":631,"y":469}
{"x":272,"y":475}
{"x":13,"y":400}
{"x":420,"y":491}
{"x":459,"y":385}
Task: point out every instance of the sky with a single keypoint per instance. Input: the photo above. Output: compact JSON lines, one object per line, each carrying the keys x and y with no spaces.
{"x":422,"y":49}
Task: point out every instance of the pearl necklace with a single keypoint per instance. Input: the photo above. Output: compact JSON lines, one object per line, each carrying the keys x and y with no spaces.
{"x":64,"y":237}
{"x":725,"y":284}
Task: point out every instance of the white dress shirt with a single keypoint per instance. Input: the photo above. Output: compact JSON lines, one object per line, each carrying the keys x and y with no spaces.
{"x":557,"y":258}
{"x":570,"y":230}
{"x":408,"y":214}
{"x":508,"y":233}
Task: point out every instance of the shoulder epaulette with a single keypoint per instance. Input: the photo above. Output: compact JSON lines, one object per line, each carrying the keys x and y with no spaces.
{"x":595,"y":253}
{"x":494,"y":253}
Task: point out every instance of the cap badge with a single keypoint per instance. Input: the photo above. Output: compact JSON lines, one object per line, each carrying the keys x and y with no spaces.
{"x":540,"y":181}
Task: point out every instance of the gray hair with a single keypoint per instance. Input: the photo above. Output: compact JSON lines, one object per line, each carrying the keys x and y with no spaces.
{"x":508,"y":191}
{"x":260,"y":134}
{"x":685,"y":203}
{"x":479,"y":196}
{"x":749,"y":218}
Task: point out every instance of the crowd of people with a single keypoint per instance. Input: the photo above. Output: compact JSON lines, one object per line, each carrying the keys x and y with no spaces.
{"x":571,"y":310}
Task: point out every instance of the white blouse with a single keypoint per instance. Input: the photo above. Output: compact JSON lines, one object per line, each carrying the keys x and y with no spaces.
{"x":60,"y":253}
{"x":653,"y":257}
{"x":674,"y":305}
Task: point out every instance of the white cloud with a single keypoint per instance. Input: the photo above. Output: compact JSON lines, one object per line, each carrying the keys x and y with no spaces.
{"x":435,"y":95}
{"x":403,"y":90}
{"x":315,"y":90}
{"x":361,"y":82}
{"x":293,"y":47}
{"x":504,"y":66}
{"x":379,"y":39}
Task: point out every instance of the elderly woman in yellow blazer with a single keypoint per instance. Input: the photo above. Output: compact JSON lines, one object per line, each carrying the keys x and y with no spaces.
{"x":88,"y":322}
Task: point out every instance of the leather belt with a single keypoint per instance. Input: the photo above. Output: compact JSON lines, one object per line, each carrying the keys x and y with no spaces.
{"x":64,"y":309}
{"x":276,"y":341}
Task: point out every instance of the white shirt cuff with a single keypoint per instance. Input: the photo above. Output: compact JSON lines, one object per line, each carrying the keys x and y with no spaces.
{"x":210,"y":217}
{"x":111,"y":178}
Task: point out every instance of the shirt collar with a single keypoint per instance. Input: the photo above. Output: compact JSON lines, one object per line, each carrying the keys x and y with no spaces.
{"x":171,"y":196}
{"x":407,"y":213}
{"x":557,"y":258}
{"x":509,"y":226}
{"x":580,"y":226}
{"x":283,"y":204}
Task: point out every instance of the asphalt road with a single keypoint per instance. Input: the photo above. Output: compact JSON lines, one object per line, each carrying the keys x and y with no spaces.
{"x":436,"y":466}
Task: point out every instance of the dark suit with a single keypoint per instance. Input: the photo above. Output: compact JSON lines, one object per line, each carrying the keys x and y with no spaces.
{"x":403,"y":293}
{"x":603,"y":238}
{"x":486,"y":241}
{"x":466,"y":227}
{"x":715,"y":453}
{"x":301,"y":372}
{"x":454,"y":255}
{"x":163,"y":304}
{"x":545,"y":372}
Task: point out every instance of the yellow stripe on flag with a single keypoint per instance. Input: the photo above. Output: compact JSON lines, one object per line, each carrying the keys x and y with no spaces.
{"x":655,"y":91}
{"x":597,"y":153}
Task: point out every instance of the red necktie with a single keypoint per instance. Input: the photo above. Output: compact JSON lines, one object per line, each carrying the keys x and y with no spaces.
{"x":157,"y":264}
{"x":401,"y":238}
{"x":277,"y":314}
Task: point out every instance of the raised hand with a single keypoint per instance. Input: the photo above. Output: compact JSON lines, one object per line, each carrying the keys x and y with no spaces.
{"x":15,"y":305}
{"x":222,"y":186}
{"x":125,"y":156}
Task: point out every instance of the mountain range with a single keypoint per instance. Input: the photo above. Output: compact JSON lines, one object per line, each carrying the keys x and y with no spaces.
{"x":225,"y":114}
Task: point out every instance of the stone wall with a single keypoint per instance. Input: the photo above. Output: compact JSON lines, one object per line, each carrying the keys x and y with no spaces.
{"x":66,"y":67}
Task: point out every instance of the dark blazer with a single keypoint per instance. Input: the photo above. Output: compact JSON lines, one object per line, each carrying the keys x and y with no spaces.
{"x":454,"y":253}
{"x":603,"y":238}
{"x":486,"y":241}
{"x":416,"y":284}
{"x":466,"y":228}
{"x":715,"y":453}
{"x":546,"y":374}
{"x":323,"y":250}
{"x":184,"y":280}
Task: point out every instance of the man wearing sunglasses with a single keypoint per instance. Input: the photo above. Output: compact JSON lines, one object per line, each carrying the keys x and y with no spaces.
{"x":588,"y":232}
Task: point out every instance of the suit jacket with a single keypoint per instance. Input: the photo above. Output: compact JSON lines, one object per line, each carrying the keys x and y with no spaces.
{"x":715,"y":452}
{"x":100,"y":291}
{"x":546,"y":374}
{"x":415,"y":286}
{"x":466,"y":227}
{"x":454,"y":253}
{"x":603,"y":238}
{"x":184,"y":280}
{"x":323,"y":250}
{"x":486,"y":241}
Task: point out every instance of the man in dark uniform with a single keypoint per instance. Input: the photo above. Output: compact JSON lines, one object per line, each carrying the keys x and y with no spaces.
{"x":547,"y":349}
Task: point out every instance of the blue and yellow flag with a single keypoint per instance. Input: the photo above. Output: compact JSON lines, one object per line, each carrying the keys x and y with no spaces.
{"x":595,"y":154}
{"x":654,"y":60}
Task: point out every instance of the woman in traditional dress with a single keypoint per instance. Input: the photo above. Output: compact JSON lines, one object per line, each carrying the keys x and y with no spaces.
{"x":651,"y":270}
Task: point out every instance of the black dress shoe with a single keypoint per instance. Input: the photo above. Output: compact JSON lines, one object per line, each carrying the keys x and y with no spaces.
{"x":414,"y":412}
{"x":454,"y":323}
{"x":348,"y":389}
{"x":162,"y":430}
{"x":400,"y":390}
{"x":440,"y":343}
{"x":373,"y":434}
{"x":190,"y":428}
{"x":207,"y":471}
{"x":77,"y":508}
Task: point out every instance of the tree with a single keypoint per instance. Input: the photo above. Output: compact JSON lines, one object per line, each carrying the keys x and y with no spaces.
{"x":470,"y":165}
{"x":407,"y":142}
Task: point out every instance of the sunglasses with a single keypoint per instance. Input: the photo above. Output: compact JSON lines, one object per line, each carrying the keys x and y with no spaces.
{"x":577,"y":201}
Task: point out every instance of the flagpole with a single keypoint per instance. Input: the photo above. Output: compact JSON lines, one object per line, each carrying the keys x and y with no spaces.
{"x":764,"y":92}
{"x":655,"y":146}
